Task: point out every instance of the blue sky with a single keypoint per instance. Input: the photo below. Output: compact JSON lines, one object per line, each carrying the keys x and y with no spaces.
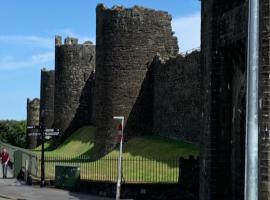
{"x":28,"y":27}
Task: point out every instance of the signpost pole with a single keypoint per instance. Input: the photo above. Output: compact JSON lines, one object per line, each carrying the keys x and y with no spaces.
{"x":43,"y":132}
{"x":119,"y":179}
{"x":42,"y":181}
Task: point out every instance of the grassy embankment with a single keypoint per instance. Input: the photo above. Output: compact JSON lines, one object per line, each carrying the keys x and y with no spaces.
{"x":146,"y":158}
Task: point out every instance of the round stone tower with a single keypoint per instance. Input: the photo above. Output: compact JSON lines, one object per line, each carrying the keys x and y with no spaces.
{"x":47,"y":98}
{"x":32,"y":120}
{"x":127,"y":41}
{"x":74,"y":69}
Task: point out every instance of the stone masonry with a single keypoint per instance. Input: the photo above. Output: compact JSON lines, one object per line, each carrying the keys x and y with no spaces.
{"x":177,"y":97}
{"x":32,"y":120}
{"x":47,"y":98}
{"x":74,"y":71}
{"x":126,"y":42}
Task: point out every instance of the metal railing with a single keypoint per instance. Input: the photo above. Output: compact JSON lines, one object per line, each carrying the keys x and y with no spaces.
{"x":22,"y":159}
{"x":135,"y":170}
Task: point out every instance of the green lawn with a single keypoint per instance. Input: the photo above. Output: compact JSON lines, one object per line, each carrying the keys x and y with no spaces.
{"x":80,"y":142}
{"x":156,"y":147}
{"x":146,"y":158}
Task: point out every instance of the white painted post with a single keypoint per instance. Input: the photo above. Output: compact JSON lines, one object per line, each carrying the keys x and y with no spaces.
{"x":119,"y":179}
{"x":26,"y":170}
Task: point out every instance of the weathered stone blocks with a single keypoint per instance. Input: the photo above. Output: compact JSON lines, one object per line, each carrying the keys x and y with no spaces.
{"x":127,"y":41}
{"x":74,"y":71}
{"x":32,"y":120}
{"x":47,"y":98}
{"x":177,"y":97}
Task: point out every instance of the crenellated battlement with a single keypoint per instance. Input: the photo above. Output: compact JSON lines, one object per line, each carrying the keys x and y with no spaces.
{"x":134,"y":11}
{"x":70,"y":41}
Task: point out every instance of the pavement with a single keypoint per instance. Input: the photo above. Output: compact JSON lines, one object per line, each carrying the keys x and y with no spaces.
{"x":11,"y":188}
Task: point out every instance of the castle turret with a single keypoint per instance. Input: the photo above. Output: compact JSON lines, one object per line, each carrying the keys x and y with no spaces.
{"x":74,"y":68}
{"x":47,"y":98}
{"x":32,"y":120}
{"x":127,"y":41}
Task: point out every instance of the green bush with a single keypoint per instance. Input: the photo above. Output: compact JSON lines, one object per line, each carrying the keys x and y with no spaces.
{"x":13,"y":132}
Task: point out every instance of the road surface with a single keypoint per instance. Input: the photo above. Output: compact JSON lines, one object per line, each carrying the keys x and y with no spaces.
{"x":12,"y":189}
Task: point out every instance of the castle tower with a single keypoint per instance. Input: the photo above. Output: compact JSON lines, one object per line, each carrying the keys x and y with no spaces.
{"x":32,"y":120}
{"x":74,"y":69}
{"x":47,"y":98}
{"x":127,"y":41}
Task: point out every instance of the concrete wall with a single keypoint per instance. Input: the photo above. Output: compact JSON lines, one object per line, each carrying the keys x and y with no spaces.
{"x":47,"y":98}
{"x":74,"y":69}
{"x":177,"y":97}
{"x":127,"y":41}
{"x":32,"y":120}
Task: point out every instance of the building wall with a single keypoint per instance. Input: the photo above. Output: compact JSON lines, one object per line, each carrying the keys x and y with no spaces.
{"x":74,"y":69}
{"x":223,"y":47}
{"x":32,"y":120}
{"x":177,"y":97}
{"x":127,"y":41}
{"x":47,"y":98}
{"x":264,"y":189}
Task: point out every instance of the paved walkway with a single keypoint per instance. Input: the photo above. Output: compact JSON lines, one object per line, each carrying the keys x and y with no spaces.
{"x":13,"y":189}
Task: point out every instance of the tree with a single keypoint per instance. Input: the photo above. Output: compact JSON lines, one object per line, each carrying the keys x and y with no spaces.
{"x":13,"y":132}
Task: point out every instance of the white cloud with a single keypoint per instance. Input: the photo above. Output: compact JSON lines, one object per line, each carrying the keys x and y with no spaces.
{"x":32,"y":42}
{"x":11,"y":63}
{"x":188,"y":31}
{"x":28,"y":40}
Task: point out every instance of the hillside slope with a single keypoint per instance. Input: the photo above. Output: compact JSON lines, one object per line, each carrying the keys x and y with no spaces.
{"x":81,"y":143}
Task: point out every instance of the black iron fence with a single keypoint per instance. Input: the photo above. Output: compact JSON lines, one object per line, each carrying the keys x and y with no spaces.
{"x":135,"y":170}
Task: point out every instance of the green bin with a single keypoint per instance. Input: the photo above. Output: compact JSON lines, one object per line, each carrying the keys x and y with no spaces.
{"x":67,"y":177}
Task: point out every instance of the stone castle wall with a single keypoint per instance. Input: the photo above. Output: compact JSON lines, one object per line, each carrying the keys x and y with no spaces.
{"x":177,"y":97}
{"x":32,"y":120}
{"x":127,"y":41}
{"x":47,"y":98}
{"x":74,"y":69}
